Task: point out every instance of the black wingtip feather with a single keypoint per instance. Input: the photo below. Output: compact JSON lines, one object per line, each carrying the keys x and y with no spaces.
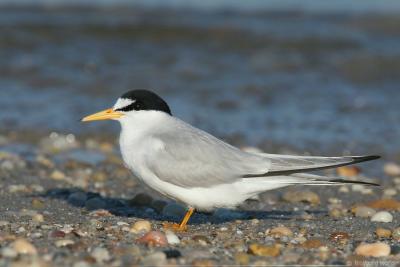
{"x":358,"y":159}
{"x":341,"y":181}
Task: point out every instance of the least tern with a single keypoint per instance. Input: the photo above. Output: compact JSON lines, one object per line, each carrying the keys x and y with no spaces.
{"x":194,"y":167}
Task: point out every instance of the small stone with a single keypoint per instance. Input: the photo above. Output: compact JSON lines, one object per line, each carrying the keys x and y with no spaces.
{"x":301,"y":196}
{"x":344,"y":189}
{"x":95,"y":203}
{"x":141,"y":200}
{"x":383,"y":233}
{"x":396,"y":234}
{"x":363,"y":211}
{"x":348,"y":171}
{"x":312,"y":243}
{"x":390,"y":192}
{"x":100,"y":254}
{"x":337,"y":213}
{"x":385,"y":204}
{"x":64,"y":242}
{"x":57,"y":234}
{"x":141,"y":226}
{"x":382,"y":216}
{"x":77,"y":199}
{"x":263,"y":250}
{"x":37,"y":203}
{"x":340,"y":237}
{"x":23,"y":246}
{"x":174,"y":210}
{"x":392,"y":169}
{"x":4,"y":223}
{"x":373,"y":250}
{"x":203,"y":240}
{"x":280,"y":231}
{"x":154,"y":238}
{"x":57,"y":175}
{"x":172,"y":238}
{"x":38,"y":218}
{"x":156,"y":259}
{"x":8,"y":252}
{"x":44,"y":161}
{"x":96,"y":224}
{"x":172,"y":253}
{"x":100,"y":213}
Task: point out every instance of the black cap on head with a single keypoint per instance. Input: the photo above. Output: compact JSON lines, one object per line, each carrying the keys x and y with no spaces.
{"x":144,"y":100}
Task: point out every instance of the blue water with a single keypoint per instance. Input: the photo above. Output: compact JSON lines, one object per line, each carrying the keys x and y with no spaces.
{"x":319,"y":82}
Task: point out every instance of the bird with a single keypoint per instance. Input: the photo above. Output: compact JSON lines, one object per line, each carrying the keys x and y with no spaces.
{"x":197,"y":169}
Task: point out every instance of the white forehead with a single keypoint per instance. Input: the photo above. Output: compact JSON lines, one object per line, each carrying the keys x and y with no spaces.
{"x":123,"y":102}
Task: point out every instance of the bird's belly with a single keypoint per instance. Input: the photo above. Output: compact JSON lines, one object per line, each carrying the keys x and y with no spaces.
{"x":200,"y":198}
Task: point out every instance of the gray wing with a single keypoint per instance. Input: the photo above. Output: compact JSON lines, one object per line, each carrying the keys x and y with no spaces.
{"x":194,"y":158}
{"x":286,"y":165}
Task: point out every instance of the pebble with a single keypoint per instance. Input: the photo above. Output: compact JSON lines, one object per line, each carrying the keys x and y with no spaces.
{"x":382,"y":216}
{"x":392,"y":169}
{"x":385,"y":204}
{"x":344,"y":189}
{"x":37,"y":203}
{"x":363,"y":211}
{"x":141,"y":200}
{"x":57,"y":175}
{"x":390,"y":192}
{"x":396,"y":233}
{"x":95,"y":203}
{"x":156,"y":259}
{"x":301,"y":196}
{"x":64,"y":243}
{"x":280,"y":231}
{"x":383,"y":233}
{"x":100,"y":254}
{"x":154,"y":238}
{"x":172,"y":238}
{"x":23,"y":246}
{"x":312,"y":243}
{"x":201,"y":239}
{"x":77,"y":199}
{"x":339,"y":237}
{"x":362,"y":189}
{"x":141,"y":226}
{"x":348,"y":171}
{"x":4,"y":223}
{"x":38,"y":218}
{"x":57,"y":234}
{"x":8,"y":252}
{"x":174,"y":210}
{"x":373,"y":250}
{"x":263,"y":250}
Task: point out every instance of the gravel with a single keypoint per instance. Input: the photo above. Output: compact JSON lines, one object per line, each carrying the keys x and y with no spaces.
{"x":63,"y":211}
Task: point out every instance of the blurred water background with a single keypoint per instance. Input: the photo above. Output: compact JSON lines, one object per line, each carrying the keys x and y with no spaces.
{"x":317,"y":76}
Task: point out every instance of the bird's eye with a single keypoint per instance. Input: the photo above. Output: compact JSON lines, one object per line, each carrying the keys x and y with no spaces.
{"x":137,"y":106}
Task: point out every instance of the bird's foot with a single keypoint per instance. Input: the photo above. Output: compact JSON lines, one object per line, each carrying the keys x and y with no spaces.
{"x":174,"y":227}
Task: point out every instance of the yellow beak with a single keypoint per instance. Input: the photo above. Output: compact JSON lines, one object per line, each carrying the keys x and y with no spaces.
{"x":107,"y":114}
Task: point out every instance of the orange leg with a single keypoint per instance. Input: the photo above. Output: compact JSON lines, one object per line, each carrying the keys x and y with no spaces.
{"x":182,"y":226}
